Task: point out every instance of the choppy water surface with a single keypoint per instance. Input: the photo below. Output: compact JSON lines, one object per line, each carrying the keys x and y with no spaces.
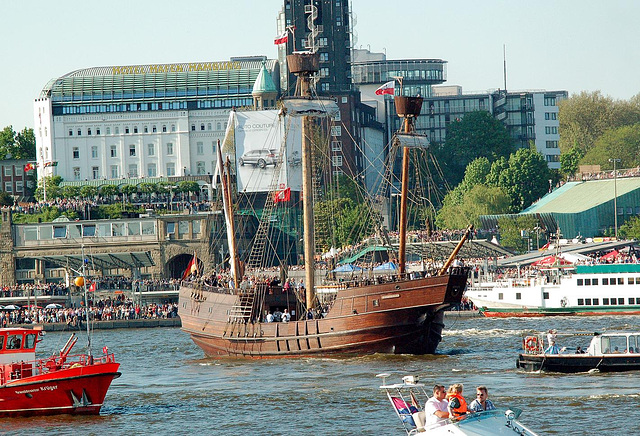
{"x":168,"y":387}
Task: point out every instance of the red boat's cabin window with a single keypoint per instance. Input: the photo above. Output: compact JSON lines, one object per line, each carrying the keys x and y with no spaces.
{"x":18,"y":341}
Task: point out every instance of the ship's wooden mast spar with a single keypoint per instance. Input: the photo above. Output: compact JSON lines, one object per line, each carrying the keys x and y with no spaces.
{"x":304,"y":65}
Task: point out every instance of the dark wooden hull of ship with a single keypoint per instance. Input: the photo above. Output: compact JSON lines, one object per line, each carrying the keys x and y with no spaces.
{"x":401,"y":317}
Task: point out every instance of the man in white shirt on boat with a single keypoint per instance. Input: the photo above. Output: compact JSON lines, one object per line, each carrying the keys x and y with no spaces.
{"x":436,"y":407}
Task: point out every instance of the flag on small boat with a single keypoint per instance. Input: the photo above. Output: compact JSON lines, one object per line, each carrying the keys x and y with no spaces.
{"x":191,"y":268}
{"x":282,"y":39}
{"x":387,"y":88}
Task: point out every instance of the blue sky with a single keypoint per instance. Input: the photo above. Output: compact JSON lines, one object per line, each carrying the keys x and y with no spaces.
{"x":572,"y":45}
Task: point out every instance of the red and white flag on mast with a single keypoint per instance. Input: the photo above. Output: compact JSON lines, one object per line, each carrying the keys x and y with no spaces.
{"x":283,"y":195}
{"x":387,"y":88}
{"x":282,"y":39}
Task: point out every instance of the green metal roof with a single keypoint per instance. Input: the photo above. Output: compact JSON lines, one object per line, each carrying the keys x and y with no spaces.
{"x":574,"y":197}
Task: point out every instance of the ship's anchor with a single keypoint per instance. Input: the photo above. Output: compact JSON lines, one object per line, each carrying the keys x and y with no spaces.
{"x":80,"y":402}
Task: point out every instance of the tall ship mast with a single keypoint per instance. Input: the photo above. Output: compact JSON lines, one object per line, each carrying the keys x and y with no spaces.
{"x":402,"y":313}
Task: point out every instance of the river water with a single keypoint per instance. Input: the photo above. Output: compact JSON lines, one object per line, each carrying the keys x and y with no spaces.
{"x":168,"y":387}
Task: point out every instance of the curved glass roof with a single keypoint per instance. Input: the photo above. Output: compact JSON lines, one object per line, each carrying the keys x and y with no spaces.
{"x":160,"y":81}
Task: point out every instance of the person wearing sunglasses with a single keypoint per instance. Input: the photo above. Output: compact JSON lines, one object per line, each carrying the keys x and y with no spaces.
{"x":482,"y":401}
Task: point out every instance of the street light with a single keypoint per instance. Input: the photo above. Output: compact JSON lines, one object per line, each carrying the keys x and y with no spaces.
{"x":615,"y":197}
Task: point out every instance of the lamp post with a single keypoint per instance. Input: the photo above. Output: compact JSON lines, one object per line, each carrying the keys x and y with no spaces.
{"x":615,"y":197}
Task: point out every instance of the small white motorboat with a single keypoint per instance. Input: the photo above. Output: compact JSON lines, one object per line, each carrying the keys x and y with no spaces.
{"x":408,"y":398}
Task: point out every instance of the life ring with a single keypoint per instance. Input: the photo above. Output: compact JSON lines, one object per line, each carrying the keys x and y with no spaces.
{"x":531,"y":344}
{"x":564,"y":302}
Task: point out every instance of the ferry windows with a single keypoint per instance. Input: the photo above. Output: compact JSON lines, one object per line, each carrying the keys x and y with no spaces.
{"x":596,"y":302}
{"x":612,"y":281}
{"x":117,"y":229}
{"x":630,"y":281}
{"x":587,"y":282}
{"x":587,"y":301}
{"x":148,"y":228}
{"x":545,"y":295}
{"x":518,"y":296}
{"x":594,"y":282}
{"x":580,"y":301}
{"x":605,"y":301}
{"x":580,"y":282}
{"x":14,"y":342}
{"x":605,"y":281}
{"x":29,"y":341}
{"x":632,"y":300}
{"x":612,"y":301}
{"x":88,"y":230}
{"x":500,"y":296}
{"x":620,"y":301}
{"x":1,"y":342}
{"x":620,"y":280}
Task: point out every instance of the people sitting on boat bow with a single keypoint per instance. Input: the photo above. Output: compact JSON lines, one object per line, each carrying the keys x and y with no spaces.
{"x":457,"y":403}
{"x":436,"y":408}
{"x":482,"y":401}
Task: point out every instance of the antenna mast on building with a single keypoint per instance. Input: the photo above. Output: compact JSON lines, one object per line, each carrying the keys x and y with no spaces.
{"x":504,"y":58}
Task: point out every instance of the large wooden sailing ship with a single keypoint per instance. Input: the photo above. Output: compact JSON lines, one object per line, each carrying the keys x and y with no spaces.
{"x":402,"y":314}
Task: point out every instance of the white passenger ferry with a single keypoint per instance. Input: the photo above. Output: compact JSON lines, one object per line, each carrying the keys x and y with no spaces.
{"x":607,"y":289}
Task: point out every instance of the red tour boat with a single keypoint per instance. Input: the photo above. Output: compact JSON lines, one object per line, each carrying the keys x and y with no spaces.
{"x":60,"y":384}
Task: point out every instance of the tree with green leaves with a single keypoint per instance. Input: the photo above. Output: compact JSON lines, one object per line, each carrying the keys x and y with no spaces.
{"x":585,"y":117}
{"x":89,"y":191}
{"x":52,"y":184}
{"x":630,"y":229}
{"x":109,"y":190}
{"x":6,"y":199}
{"x":620,"y":143}
{"x":71,"y":191}
{"x":187,"y":186}
{"x":525,"y":177}
{"x":477,"y":201}
{"x":17,"y":145}
{"x":570,"y":162}
{"x":129,"y":190}
{"x":511,"y":229}
{"x":478,"y":134}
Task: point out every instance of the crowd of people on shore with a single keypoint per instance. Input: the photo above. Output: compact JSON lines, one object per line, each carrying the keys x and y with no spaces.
{"x":102,"y":310}
{"x":82,"y":207}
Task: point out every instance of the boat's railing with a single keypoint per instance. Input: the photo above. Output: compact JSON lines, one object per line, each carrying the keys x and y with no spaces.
{"x":29,"y":368}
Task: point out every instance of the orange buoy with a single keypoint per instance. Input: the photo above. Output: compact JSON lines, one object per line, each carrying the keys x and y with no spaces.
{"x":79,"y":281}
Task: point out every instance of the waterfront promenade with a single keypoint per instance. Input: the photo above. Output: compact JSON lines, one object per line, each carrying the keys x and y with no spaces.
{"x":106,"y":325}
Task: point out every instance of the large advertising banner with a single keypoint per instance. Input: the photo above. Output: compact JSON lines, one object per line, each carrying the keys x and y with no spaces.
{"x":259,"y":147}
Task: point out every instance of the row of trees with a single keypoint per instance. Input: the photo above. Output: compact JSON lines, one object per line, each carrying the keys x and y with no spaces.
{"x":595,"y":128}
{"x":145,"y":190}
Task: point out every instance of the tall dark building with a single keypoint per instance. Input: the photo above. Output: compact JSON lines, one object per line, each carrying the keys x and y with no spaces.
{"x":323,"y":26}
